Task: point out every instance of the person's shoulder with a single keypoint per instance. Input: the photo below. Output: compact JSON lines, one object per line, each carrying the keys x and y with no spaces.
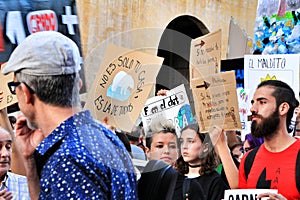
{"x":16,"y":177}
{"x":297,"y":139}
{"x":296,"y":144}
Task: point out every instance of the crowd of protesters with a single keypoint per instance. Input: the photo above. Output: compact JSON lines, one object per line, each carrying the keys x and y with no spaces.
{"x":64,"y":153}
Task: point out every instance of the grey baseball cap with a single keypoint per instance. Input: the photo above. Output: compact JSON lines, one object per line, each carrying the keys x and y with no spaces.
{"x":45,"y":53}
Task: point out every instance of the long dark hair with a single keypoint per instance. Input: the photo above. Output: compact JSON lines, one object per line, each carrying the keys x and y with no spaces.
{"x":209,"y":159}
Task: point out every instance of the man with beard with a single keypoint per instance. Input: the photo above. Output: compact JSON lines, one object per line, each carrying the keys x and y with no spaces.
{"x":274,"y":165}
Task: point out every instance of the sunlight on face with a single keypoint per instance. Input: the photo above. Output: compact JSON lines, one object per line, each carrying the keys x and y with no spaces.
{"x":163,"y":147}
{"x":190,"y":145}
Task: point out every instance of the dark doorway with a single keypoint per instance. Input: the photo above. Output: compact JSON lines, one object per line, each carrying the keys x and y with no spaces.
{"x":174,"y":47}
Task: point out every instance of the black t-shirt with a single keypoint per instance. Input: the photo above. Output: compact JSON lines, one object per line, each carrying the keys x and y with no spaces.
{"x":209,"y":186}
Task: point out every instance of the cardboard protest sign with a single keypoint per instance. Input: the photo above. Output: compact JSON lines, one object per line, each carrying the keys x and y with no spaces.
{"x":284,"y":67}
{"x":246,"y":194}
{"x":122,"y":86}
{"x":8,"y":97}
{"x":174,"y":107}
{"x":205,"y":57}
{"x":216,"y":101}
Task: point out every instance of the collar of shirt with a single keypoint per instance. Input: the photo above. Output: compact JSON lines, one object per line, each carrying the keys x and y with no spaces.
{"x":59,"y":133}
{"x":3,"y":184}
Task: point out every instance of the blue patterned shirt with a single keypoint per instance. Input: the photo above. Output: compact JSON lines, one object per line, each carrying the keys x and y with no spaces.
{"x":81,"y":159}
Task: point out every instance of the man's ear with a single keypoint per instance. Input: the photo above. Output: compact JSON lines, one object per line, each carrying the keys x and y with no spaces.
{"x":283,"y":108}
{"x":28,"y":96}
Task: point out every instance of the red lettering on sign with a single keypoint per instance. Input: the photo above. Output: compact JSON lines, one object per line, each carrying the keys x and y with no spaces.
{"x":42,"y":20}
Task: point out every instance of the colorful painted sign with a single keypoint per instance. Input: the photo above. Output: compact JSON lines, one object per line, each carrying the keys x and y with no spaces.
{"x":277,"y":27}
{"x":22,"y":18}
{"x":174,"y":107}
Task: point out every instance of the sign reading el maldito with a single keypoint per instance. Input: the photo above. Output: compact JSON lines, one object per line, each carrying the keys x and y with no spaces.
{"x":284,"y":67}
{"x":205,"y":55}
{"x":216,"y":101}
{"x":122,"y":86}
{"x":8,"y":97}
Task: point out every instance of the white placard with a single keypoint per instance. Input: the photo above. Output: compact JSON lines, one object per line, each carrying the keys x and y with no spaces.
{"x":174,"y":107}
{"x":246,"y":194}
{"x":284,"y":67}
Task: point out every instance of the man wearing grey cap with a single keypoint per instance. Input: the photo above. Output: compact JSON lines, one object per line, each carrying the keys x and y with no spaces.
{"x":66,"y":153}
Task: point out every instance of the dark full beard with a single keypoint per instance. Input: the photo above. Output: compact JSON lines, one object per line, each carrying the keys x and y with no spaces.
{"x":267,"y":126}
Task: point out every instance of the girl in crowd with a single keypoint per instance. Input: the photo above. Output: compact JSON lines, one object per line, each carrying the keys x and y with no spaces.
{"x":198,"y":162}
{"x":158,"y":178}
{"x":161,"y":141}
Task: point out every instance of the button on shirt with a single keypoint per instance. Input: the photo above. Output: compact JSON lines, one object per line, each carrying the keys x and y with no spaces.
{"x":81,"y":159}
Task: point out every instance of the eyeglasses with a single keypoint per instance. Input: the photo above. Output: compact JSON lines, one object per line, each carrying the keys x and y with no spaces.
{"x":12,"y":87}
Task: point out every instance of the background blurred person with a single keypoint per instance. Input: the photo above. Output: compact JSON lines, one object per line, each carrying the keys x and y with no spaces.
{"x":134,"y":139}
{"x":251,"y":142}
{"x":12,"y":186}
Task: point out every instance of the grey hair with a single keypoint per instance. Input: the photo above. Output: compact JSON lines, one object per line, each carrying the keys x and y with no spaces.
{"x":3,"y":130}
{"x":59,"y":90}
{"x":159,"y":125}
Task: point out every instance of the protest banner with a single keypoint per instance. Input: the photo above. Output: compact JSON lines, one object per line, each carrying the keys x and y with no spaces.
{"x":246,"y":194}
{"x":205,"y":57}
{"x":216,"y":101}
{"x":8,"y":97}
{"x":122,"y":86}
{"x":174,"y":107}
{"x":258,"y":68}
{"x":284,"y":67}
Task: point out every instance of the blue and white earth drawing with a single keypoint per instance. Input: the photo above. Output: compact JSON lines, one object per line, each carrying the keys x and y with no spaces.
{"x":121,"y":86}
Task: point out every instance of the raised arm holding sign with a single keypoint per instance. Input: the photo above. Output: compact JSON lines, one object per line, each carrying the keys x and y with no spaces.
{"x":216,"y":101}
